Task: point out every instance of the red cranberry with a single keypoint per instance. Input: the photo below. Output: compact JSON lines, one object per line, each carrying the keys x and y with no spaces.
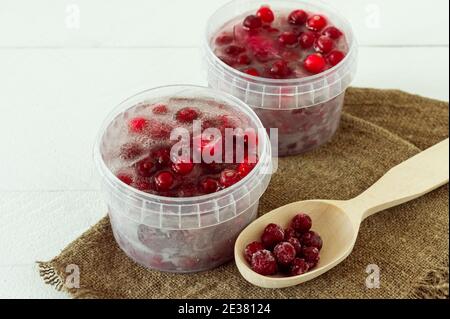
{"x":288,"y":38}
{"x":266,"y":14}
{"x":164,"y":181}
{"x":312,"y":239}
{"x":252,"y":249}
{"x":228,"y":60}
{"x":125,"y":178}
{"x":183,"y":168}
{"x":159,"y":131}
{"x":298,"y":17}
{"x":307,"y":39}
{"x":145,"y":168}
{"x":209,"y":185}
{"x":245,"y":168}
{"x":160,"y":109}
{"x":224,"y":39}
{"x":335,"y":57}
{"x":234,"y":50}
{"x":273,"y":235}
{"x":296,"y":243}
{"x":290,"y":233}
{"x":312,"y":265}
{"x":302,"y":223}
{"x":264,"y":263}
{"x":252,"y":22}
{"x":187,"y":115}
{"x":252,"y":71}
{"x":284,"y":253}
{"x":299,"y":267}
{"x":229,"y":177}
{"x":314,"y":63}
{"x":161,"y":156}
{"x":137,"y":125}
{"x":311,"y":254}
{"x":316,"y":23}
{"x":244,"y":60}
{"x":143,"y":185}
{"x":280,"y":69}
{"x":332,"y":32}
{"x":324,"y":44}
{"x":130,"y":151}
{"x":188,"y":190}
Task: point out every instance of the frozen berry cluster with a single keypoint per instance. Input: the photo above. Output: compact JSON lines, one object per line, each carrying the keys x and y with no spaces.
{"x":144,"y":158}
{"x":281,"y":45}
{"x":293,"y":251}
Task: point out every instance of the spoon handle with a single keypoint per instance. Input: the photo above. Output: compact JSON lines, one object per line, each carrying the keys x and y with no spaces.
{"x":411,"y":179}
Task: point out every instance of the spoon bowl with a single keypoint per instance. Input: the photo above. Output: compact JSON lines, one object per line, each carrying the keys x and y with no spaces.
{"x":338,"y":222}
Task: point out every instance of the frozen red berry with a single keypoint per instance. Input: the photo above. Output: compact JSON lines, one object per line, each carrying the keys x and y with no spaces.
{"x":251,"y":249}
{"x":159,"y":130}
{"x":245,"y":168}
{"x":280,"y":69}
{"x":229,"y":177}
{"x":311,"y":254}
{"x":224,"y":39}
{"x":130,"y":151}
{"x":290,"y":232}
{"x":264,"y":263}
{"x":335,"y":57}
{"x":125,"y":178}
{"x":161,"y":156}
{"x":145,"y":168}
{"x":332,"y":32}
{"x":288,"y":38}
{"x":314,"y":63}
{"x":296,"y":243}
{"x":284,"y":253}
{"x":312,"y":239}
{"x":252,"y":71}
{"x":209,"y":185}
{"x":183,"y":168}
{"x":143,"y":185}
{"x":272,"y":235}
{"x":160,"y":109}
{"x":298,"y":17}
{"x":302,"y":223}
{"x":266,"y":14}
{"x":324,"y":44}
{"x":252,"y":22}
{"x":244,"y":60}
{"x":164,"y":181}
{"x":306,"y":39}
{"x":234,"y":50}
{"x":316,"y":23}
{"x":299,"y":267}
{"x":187,"y":115}
{"x":137,"y":125}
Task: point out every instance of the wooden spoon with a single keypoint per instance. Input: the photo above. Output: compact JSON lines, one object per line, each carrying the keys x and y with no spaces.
{"x":338,"y":222}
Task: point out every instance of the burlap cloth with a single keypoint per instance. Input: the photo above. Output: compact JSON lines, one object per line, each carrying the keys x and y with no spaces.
{"x":409,"y":243}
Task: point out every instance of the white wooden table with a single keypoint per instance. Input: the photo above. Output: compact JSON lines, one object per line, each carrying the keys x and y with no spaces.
{"x":65,"y":64}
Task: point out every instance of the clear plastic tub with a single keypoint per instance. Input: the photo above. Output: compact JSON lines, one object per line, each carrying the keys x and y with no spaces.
{"x":181,"y":234}
{"x":306,"y":110}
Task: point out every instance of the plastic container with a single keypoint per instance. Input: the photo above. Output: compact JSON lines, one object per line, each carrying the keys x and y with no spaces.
{"x":307,"y":110}
{"x":182,"y":234}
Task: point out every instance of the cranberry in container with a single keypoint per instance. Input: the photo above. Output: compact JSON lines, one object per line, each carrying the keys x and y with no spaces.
{"x":181,"y":214}
{"x":291,"y":61}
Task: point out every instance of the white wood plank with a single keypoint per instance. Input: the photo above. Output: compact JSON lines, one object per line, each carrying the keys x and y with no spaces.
{"x":169,"y":23}
{"x":36,"y":226}
{"x":53,"y":101}
{"x":23,"y":282}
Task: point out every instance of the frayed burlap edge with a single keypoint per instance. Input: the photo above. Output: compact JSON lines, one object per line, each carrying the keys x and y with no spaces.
{"x":434,"y":285}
